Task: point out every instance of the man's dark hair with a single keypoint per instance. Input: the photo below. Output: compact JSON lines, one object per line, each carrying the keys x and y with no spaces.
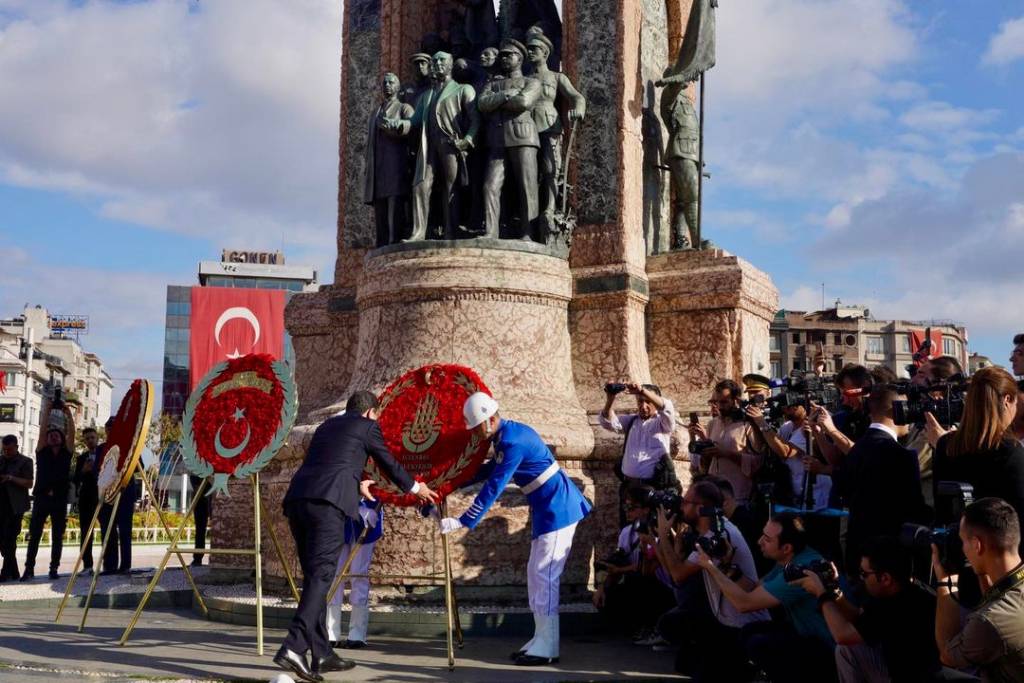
{"x":639,"y":494}
{"x":1018,"y":339}
{"x":883,"y":375}
{"x":944,"y":367}
{"x":879,"y":401}
{"x":10,"y":439}
{"x":996,"y":521}
{"x":887,"y":555}
{"x":727,"y":384}
{"x":709,"y":494}
{"x":792,"y":530}
{"x":723,"y":484}
{"x":360,"y":402}
{"x":653,"y":388}
{"x":89,"y":430}
{"x":858,"y":375}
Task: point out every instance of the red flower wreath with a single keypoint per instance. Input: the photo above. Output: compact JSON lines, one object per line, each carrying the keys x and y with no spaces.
{"x":421,"y":419}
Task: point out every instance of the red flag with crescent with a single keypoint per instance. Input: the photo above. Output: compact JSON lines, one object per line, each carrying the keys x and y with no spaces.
{"x":230,"y":323}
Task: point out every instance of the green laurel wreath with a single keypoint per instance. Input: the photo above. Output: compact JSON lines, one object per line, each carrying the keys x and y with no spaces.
{"x":190,"y":451}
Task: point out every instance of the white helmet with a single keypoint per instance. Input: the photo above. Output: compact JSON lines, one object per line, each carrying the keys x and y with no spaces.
{"x":478,"y":408}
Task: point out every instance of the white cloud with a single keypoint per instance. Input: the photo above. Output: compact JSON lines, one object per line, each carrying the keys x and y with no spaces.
{"x":1007,"y":45}
{"x":212,"y":118}
{"x":942,"y":117}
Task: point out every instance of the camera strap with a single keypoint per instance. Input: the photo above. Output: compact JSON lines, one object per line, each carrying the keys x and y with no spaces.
{"x":1004,"y":585}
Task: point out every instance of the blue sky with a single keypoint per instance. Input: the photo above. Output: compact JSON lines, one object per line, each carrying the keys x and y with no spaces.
{"x":873,"y":145}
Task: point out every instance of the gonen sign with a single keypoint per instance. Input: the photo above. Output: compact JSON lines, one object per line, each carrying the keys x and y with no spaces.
{"x":63,"y":324}
{"x":272,"y":258}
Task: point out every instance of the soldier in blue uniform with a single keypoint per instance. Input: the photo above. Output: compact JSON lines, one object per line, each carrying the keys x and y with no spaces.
{"x":371,"y":518}
{"x":556,"y":506}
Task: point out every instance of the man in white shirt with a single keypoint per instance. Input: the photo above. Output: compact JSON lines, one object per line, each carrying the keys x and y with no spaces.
{"x":646,"y":454}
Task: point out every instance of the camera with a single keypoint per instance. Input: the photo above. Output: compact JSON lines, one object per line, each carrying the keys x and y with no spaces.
{"x":950,"y":500}
{"x":716,"y":545}
{"x":944,"y":400}
{"x":698,"y":446}
{"x":823,"y":568}
{"x":802,"y":389}
{"x":619,"y":558}
{"x":668,"y":500}
{"x":614,"y":388}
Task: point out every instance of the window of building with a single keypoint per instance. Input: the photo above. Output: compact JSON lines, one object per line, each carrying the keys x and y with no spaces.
{"x":796,"y":337}
{"x":949,"y":346}
{"x":904,"y":343}
{"x":10,"y":379}
{"x":773,"y":342}
{"x":776,"y":368}
{"x":837,"y":339}
{"x":8,"y":413}
{"x":874,"y":346}
{"x":851,"y":340}
{"x":798,"y":364}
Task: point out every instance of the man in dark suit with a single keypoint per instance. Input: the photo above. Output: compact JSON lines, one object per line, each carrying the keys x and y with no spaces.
{"x":324,"y":491}
{"x":85,"y":479}
{"x":15,"y":481}
{"x":880,"y":480}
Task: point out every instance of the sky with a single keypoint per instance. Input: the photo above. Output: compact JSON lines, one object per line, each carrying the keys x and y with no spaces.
{"x":875,"y":146}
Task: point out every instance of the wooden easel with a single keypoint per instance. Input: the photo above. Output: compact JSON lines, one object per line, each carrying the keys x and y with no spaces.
{"x":103,"y":548}
{"x":454,"y":627}
{"x":253,"y":552}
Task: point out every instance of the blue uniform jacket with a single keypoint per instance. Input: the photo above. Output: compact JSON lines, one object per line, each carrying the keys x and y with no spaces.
{"x":520,"y":455}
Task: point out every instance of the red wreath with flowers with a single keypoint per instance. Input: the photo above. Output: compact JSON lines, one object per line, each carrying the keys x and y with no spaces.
{"x":421,"y":419}
{"x":129,"y":428}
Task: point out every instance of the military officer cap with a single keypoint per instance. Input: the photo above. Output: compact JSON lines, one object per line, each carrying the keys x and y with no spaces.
{"x":513,"y":45}
{"x":538,"y":38}
{"x":419,"y":57}
{"x":755,"y":382}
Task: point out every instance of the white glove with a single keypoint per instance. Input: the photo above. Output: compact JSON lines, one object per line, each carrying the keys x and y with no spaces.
{"x":450,"y":524}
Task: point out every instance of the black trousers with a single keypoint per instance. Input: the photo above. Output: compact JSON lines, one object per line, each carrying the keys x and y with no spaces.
{"x":636,"y":602}
{"x":710,"y":651}
{"x":202,"y":517}
{"x":10,"y":529}
{"x":86,"y":509}
{"x":785,"y":655}
{"x":57,"y":510}
{"x":319,"y":532}
{"x":118,"y":556}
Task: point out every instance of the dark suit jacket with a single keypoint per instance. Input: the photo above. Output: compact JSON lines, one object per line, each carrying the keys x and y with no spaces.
{"x":21,"y":467}
{"x":88,"y":490}
{"x":335,"y":462}
{"x":510,"y":123}
{"x":881,"y":482}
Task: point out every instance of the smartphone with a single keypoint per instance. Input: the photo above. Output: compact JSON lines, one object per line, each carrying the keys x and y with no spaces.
{"x":694,"y":419}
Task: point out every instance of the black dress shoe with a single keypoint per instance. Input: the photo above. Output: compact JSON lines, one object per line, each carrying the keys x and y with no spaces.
{"x":517,"y":654}
{"x":352,"y":645}
{"x":28,"y":575}
{"x":332,"y":662}
{"x":533,"y":660}
{"x":53,"y":574}
{"x":108,"y":572}
{"x":296,"y":663}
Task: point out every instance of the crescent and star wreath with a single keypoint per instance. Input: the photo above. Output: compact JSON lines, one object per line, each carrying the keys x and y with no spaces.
{"x":237,"y":418}
{"x":421,"y":419}
{"x":125,"y":439}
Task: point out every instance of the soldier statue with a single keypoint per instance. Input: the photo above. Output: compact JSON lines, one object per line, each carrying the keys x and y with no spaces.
{"x":549,"y":122}
{"x":513,"y":142}
{"x":421,"y":78}
{"x":386,"y":180}
{"x":682,"y":154}
{"x":446,"y":121}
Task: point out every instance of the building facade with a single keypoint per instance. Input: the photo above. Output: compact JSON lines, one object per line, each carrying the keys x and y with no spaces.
{"x":57,"y":361}
{"x":847,"y":334}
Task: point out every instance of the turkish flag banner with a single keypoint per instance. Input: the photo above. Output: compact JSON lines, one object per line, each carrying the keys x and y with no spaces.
{"x":917,"y":338}
{"x":231,"y":322}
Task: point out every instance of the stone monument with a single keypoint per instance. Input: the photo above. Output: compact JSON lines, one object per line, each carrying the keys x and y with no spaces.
{"x":544,"y":325}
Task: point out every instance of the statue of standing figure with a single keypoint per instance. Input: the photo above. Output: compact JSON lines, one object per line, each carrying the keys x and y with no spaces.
{"x":513,"y":142}
{"x":386,"y":183}
{"x":683,"y":156}
{"x":548,"y":120}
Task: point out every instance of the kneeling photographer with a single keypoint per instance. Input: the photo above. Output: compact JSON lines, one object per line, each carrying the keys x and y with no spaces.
{"x":708,"y":640}
{"x":632,"y":597}
{"x":991,"y":639}
{"x":889,"y":637}
{"x":801,"y":647}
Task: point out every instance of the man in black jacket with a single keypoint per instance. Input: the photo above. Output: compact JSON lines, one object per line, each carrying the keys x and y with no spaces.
{"x":15,"y":481}
{"x":49,"y":499}
{"x":86,"y":471}
{"x":324,"y":491}
{"x":880,"y":480}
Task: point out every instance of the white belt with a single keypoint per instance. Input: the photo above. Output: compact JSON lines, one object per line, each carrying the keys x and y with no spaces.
{"x":541,"y":479}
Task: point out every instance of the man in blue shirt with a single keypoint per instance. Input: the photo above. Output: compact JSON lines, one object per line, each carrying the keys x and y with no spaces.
{"x":556,"y":506}
{"x":801,"y":647}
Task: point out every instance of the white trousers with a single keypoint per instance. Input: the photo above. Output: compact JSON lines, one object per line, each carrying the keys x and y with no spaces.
{"x":358,"y":595}
{"x":548,"y":553}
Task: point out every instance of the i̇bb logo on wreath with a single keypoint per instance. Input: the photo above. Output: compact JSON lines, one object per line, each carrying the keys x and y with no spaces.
{"x":421,"y":419}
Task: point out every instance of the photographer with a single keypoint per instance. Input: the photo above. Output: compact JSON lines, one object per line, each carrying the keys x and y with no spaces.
{"x":15,"y":481}
{"x":992,"y":636}
{"x":839,"y":432}
{"x":85,"y":479}
{"x":790,"y":444}
{"x":709,"y":641}
{"x":646,"y":451}
{"x":631,"y":595}
{"x":889,"y":637}
{"x":742,"y":517}
{"x":801,"y":647}
{"x":879,"y":480}
{"x":731,"y":447}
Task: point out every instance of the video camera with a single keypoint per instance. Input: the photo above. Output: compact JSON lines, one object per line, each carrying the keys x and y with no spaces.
{"x":823,"y":568}
{"x":944,"y":400}
{"x":950,"y":500}
{"x":717,"y":544}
